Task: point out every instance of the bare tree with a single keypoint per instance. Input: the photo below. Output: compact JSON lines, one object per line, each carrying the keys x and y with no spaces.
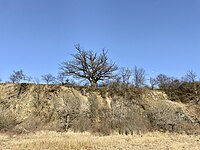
{"x":190,"y":76}
{"x":62,"y":78}
{"x":123,"y":80}
{"x":48,"y":78}
{"x":139,"y":76}
{"x":17,"y":76}
{"x":70,"y":111}
{"x":90,"y":66}
{"x":153,"y":82}
{"x":163,"y":81}
{"x":125,"y":74}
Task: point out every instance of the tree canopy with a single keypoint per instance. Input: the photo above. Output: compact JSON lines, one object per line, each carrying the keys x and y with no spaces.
{"x":89,"y":65}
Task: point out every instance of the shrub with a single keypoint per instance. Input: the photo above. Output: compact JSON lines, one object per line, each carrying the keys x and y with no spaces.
{"x":7,"y":121}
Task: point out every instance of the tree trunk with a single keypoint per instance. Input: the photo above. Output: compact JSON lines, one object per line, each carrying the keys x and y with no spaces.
{"x":93,"y":84}
{"x":67,"y":122}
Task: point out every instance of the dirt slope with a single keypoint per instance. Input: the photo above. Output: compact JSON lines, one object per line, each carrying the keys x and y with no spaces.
{"x":30,"y":107}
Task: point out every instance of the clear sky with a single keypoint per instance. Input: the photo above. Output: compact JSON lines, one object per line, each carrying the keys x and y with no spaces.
{"x":162,"y":36}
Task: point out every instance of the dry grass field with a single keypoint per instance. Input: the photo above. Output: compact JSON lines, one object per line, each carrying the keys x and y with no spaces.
{"x":45,"y":140}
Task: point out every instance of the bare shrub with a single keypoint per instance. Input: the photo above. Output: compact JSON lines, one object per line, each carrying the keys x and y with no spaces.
{"x":82,"y":123}
{"x":7,"y":121}
{"x":70,"y":112}
{"x":126,"y":91}
{"x":105,"y":124}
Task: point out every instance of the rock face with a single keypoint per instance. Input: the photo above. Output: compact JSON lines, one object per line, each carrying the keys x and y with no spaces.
{"x":30,"y":107}
{"x":166,"y":115}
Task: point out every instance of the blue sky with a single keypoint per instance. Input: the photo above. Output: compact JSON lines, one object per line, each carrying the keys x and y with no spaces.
{"x":162,"y":36}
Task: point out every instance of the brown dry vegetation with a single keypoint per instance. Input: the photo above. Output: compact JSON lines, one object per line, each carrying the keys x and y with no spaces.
{"x":45,"y":140}
{"x":28,"y":108}
{"x":43,"y":117}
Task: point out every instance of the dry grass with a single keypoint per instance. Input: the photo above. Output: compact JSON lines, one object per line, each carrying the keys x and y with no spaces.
{"x":45,"y":140}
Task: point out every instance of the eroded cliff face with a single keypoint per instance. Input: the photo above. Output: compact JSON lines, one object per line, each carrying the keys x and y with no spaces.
{"x":29,"y":107}
{"x":45,"y":106}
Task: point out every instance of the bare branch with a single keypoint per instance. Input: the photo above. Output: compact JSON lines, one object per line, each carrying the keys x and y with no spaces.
{"x":17,"y":76}
{"x":48,"y":78}
{"x":89,"y":65}
{"x":139,"y":76}
{"x":190,"y":76}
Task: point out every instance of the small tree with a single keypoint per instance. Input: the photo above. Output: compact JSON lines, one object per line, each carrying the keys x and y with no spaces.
{"x":90,"y":66}
{"x":62,"y":78}
{"x":139,"y":77}
{"x":190,"y":77}
{"x":17,"y":76}
{"x":153,"y":82}
{"x":48,"y":78}
{"x":125,"y":74}
{"x":163,"y":81}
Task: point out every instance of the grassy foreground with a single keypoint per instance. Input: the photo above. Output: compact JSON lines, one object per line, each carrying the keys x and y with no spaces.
{"x":45,"y":140}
